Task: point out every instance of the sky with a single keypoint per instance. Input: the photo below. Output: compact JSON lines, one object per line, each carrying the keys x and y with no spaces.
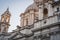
{"x":16,"y":7}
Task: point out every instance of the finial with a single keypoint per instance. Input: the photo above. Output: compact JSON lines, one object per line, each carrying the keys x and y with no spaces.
{"x":8,"y":9}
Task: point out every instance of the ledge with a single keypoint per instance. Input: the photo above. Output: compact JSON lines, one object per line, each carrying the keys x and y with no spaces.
{"x":46,"y":27}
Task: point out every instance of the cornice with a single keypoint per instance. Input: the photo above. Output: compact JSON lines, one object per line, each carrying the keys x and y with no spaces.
{"x":46,"y":27}
{"x":4,"y":23}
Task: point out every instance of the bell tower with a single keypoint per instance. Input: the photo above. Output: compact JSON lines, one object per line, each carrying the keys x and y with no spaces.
{"x":5,"y":19}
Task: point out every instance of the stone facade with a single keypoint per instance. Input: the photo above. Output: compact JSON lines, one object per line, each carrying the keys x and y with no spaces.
{"x":40,"y":21}
{"x":44,"y":21}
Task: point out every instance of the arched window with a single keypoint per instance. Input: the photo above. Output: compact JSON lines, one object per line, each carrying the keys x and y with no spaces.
{"x":7,"y":19}
{"x":45,"y":12}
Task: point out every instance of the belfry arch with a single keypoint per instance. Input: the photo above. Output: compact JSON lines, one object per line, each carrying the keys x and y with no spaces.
{"x":45,"y":12}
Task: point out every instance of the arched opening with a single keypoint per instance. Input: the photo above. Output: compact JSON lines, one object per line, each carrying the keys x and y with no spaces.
{"x":7,"y":19}
{"x":45,"y":13}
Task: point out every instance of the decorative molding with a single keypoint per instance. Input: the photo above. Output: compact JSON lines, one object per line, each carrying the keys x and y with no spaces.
{"x":46,"y":27}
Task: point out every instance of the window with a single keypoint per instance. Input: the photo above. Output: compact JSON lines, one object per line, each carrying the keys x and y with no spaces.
{"x":7,"y":19}
{"x":45,"y":12}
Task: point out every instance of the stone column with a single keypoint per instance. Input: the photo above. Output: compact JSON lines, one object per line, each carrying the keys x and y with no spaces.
{"x":31,"y":17}
{"x":22,"y":20}
{"x":50,"y":9}
{"x":40,"y":12}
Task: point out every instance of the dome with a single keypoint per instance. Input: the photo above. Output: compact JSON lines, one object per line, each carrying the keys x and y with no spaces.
{"x":32,"y":6}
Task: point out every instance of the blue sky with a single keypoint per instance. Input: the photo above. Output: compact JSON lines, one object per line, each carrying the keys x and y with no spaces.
{"x":16,"y":7}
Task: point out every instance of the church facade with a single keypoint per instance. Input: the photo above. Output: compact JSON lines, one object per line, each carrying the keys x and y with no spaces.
{"x":40,"y":21}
